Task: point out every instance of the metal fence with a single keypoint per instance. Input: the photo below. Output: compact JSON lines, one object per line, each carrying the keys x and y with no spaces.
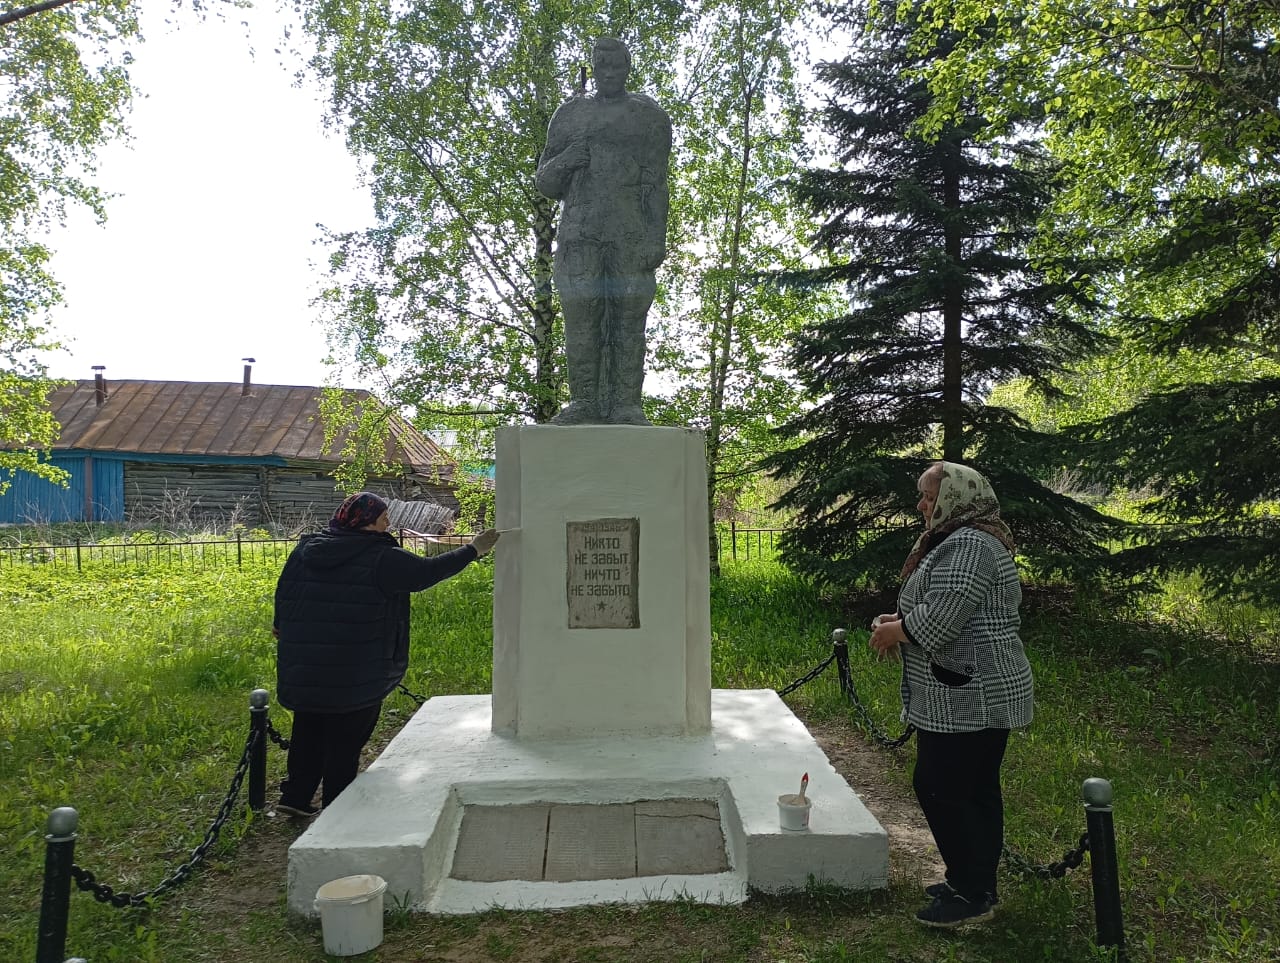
{"x":235,"y":552}
{"x":746,"y":543}
{"x":733,"y":543}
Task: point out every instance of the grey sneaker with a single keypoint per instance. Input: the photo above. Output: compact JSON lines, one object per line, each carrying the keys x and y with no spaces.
{"x":298,"y":812}
{"x":952,"y":910}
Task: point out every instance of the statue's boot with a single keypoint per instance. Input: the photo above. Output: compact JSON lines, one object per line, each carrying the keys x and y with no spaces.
{"x":628,"y":408}
{"x":582,"y":370}
{"x":577,"y":413}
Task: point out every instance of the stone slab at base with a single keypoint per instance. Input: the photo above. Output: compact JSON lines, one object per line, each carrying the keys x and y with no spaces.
{"x":400,"y":818}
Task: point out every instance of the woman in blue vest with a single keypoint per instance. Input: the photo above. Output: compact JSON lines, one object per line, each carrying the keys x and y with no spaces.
{"x":342,"y":640}
{"x":965,"y":681}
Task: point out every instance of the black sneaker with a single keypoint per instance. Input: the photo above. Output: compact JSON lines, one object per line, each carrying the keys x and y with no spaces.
{"x":298,"y":812}
{"x":952,"y":910}
{"x":934,"y":890}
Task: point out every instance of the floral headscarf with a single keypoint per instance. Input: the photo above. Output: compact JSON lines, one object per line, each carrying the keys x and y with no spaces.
{"x":358,"y":511}
{"x":965,"y":497}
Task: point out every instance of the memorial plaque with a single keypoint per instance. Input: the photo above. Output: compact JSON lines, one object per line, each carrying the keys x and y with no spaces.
{"x":603,"y":583}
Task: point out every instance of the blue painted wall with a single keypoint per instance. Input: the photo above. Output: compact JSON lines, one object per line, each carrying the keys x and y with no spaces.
{"x":31,"y":499}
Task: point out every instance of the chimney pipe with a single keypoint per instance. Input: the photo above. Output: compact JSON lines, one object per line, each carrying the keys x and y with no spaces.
{"x":244,"y":392}
{"x":99,"y":385}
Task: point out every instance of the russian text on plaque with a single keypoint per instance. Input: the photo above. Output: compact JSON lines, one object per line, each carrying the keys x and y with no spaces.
{"x":602,"y":584}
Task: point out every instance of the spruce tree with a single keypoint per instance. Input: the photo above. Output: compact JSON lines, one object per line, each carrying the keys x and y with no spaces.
{"x":1206,"y":451}
{"x":928,"y":237}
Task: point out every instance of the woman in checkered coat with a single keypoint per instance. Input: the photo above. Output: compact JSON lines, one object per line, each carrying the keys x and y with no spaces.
{"x":965,"y":680}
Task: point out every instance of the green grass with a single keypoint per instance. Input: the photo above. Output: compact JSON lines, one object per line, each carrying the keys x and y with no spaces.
{"x":124,"y":692}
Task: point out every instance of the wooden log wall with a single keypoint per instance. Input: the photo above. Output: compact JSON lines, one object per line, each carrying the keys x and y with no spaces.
{"x":191,"y":496}
{"x":289,"y":498}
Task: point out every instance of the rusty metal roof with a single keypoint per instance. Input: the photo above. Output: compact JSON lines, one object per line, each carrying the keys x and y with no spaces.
{"x":218,"y":419}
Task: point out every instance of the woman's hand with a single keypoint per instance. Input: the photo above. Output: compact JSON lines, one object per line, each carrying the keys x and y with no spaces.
{"x":886,"y":635}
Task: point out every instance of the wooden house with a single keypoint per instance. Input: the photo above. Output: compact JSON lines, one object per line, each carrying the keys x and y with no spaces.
{"x":179,"y":454}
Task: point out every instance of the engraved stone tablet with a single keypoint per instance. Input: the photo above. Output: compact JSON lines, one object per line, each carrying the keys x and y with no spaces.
{"x":591,"y":842}
{"x":603,"y":583}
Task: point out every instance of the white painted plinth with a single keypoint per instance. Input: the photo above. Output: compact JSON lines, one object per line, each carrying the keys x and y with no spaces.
{"x":400,"y":818}
{"x":552,"y":681}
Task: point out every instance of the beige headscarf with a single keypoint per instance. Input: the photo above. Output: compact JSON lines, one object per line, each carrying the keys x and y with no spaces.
{"x":965,"y":497}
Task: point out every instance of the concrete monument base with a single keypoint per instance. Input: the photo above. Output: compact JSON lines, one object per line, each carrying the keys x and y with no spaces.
{"x":601,"y":598}
{"x":401,"y":818}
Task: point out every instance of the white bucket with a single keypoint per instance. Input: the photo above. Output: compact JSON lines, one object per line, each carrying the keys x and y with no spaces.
{"x":351,"y":914}
{"x":793,"y":811}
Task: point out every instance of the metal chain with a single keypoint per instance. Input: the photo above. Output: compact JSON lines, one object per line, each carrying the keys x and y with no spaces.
{"x":846,"y":686}
{"x":275,"y":736}
{"x":412,"y":695}
{"x":1071,"y":859}
{"x":877,"y":734}
{"x":1017,"y":863}
{"x":808,"y":677}
{"x":103,"y":893}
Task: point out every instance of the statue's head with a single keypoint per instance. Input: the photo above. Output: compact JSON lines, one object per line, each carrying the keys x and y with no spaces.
{"x":610,"y":64}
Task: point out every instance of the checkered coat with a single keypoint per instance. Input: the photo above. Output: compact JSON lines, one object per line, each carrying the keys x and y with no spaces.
{"x":959,"y":610}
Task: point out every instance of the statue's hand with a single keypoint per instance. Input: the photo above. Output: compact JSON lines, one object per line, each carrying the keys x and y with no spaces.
{"x":576,"y":155}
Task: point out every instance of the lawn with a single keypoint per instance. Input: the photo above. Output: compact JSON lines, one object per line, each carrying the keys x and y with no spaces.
{"x":124,"y":692}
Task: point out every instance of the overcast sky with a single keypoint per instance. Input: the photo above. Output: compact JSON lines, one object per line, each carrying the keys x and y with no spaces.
{"x":207,"y":255}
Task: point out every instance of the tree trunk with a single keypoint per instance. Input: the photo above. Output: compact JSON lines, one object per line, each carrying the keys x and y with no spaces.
{"x":546,"y":400}
{"x":952,"y":311}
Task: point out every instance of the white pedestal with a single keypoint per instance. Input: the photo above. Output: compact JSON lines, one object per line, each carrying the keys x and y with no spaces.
{"x":554,"y":681}
{"x":400,"y":818}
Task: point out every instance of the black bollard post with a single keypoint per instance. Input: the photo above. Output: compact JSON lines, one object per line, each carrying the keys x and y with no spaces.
{"x":258,"y":700}
{"x":55,"y":901}
{"x":840,"y":646}
{"x":1102,"y":859}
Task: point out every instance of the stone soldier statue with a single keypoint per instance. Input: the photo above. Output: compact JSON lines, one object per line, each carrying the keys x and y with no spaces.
{"x":606,"y":159}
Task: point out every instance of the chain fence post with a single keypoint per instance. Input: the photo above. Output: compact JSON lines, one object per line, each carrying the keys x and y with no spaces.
{"x":1102,"y":860}
{"x":258,"y":708}
{"x":55,"y":901}
{"x":840,"y":646}
{"x":78,"y":568}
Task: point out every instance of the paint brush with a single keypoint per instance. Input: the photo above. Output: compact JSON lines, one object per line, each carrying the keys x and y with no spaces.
{"x":804,"y":784}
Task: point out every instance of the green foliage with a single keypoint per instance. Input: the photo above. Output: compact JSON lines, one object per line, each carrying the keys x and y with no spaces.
{"x":472,"y":439}
{"x":930,"y":241}
{"x":1166,"y":117}
{"x":27,"y":426}
{"x":66,"y":87}
{"x":359,"y":428}
{"x":719,"y":335}
{"x":475,"y":494}
{"x":1214,"y":447}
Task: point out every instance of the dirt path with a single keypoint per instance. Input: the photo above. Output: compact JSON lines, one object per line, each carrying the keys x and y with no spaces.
{"x":879,"y":776}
